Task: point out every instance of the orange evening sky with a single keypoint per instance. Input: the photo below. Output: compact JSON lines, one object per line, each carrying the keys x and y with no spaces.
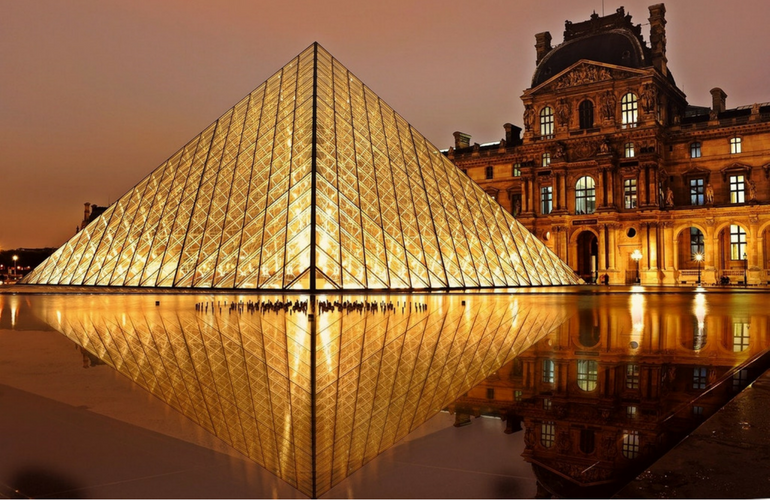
{"x":94,"y":95}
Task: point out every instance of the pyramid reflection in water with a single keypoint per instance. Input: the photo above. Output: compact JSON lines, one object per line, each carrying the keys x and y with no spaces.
{"x":311,"y":418}
{"x":310,"y":182}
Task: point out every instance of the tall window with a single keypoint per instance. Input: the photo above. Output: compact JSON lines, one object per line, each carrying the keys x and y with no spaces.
{"x":628,"y":149}
{"x":740,"y":337}
{"x":695,"y":151}
{"x":696,"y":242}
{"x":629,"y":193}
{"x":547,"y":434}
{"x":587,"y":374}
{"x":516,"y":170}
{"x":631,"y":411}
{"x":699,"y":378}
{"x":489,"y":172}
{"x":632,"y":376}
{"x":697,"y":191}
{"x":586,"y":114}
{"x":630,"y":444}
{"x":546,"y":200}
{"x":737,"y":242}
{"x":628,"y":110}
{"x":735,"y":145}
{"x":737,"y":189}
{"x":546,"y":122}
{"x":585,"y":196}
{"x":490,"y":393}
{"x":515,"y":204}
{"x":548,"y":371}
{"x":545,"y":159}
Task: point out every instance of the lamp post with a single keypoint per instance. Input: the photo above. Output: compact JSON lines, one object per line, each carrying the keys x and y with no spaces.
{"x":745,"y":268}
{"x":637,"y":256}
{"x":698,"y":259}
{"x":15,"y":266}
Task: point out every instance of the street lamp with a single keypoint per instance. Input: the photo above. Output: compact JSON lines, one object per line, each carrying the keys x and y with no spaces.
{"x":637,"y":256}
{"x":15,"y":266}
{"x":698,"y":259}
{"x":745,"y":268}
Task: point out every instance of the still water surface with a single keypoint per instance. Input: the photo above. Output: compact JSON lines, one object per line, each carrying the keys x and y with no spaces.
{"x":586,"y":389}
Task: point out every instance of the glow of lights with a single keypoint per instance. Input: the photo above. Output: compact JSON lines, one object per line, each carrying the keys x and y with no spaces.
{"x":637,"y":316}
{"x":700,"y":312}
{"x":636,"y":255}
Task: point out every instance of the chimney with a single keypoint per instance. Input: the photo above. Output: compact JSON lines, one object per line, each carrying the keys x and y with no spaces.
{"x":718,"y":100}
{"x":87,"y":211}
{"x":542,"y":45}
{"x":658,"y":38}
{"x":462,"y":140}
{"x":512,"y":134}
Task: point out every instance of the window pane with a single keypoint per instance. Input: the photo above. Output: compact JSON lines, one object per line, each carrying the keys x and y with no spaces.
{"x":547,"y":434}
{"x":586,"y":114}
{"x":587,"y":374}
{"x":697,"y":191}
{"x":629,"y":192}
{"x":628,"y":110}
{"x":546,"y":122}
{"x":695,"y":150}
{"x":585,"y":196}
{"x":546,"y":200}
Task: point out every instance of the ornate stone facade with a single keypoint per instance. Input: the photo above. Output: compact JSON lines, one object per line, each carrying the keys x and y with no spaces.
{"x":613,"y":159}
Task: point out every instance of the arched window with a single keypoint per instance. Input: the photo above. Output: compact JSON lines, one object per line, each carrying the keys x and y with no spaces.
{"x":586,"y":114}
{"x":628,"y":110}
{"x":546,"y":122}
{"x":585,"y":196}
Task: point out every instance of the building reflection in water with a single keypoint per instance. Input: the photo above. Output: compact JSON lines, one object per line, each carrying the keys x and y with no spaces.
{"x":607,"y":393}
{"x":311,"y":411}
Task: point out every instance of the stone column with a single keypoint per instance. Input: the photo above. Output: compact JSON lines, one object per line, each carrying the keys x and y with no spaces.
{"x":613,"y":246}
{"x":563,"y":191}
{"x":651,"y":275}
{"x":525,"y":195}
{"x":601,"y":265}
{"x":601,"y":194}
{"x":610,"y":188}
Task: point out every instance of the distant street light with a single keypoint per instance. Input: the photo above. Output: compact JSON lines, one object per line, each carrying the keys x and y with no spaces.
{"x":745,"y":268}
{"x":637,"y":256}
{"x":15,"y":266}
{"x":698,"y":259}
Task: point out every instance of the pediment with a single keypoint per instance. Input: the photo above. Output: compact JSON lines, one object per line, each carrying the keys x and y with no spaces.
{"x":697,"y":172}
{"x":735,"y":168}
{"x":585,"y":72}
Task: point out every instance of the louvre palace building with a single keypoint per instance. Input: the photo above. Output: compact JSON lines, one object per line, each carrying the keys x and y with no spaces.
{"x":619,"y":175}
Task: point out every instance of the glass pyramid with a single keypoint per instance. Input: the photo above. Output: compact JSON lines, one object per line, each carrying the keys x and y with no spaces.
{"x":310,"y":399}
{"x":310,"y":182}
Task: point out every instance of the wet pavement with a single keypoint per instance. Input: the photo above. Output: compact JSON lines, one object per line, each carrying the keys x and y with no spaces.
{"x":614,"y":378}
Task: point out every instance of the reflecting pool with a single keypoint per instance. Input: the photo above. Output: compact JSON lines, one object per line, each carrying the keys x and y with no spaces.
{"x":595,"y":386}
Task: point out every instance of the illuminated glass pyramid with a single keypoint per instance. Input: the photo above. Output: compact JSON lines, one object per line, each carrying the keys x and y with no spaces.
{"x":310,"y":182}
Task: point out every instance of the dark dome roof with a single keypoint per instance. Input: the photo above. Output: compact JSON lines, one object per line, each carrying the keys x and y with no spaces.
{"x":619,"y":47}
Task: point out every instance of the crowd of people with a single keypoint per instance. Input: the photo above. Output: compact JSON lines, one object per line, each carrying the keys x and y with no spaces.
{"x":301,"y":306}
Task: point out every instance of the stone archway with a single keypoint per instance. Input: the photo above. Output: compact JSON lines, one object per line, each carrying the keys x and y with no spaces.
{"x":587,"y":256}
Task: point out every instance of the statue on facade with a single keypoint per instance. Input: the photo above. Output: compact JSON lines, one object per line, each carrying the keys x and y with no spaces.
{"x":648,"y":98}
{"x":709,"y":193}
{"x":529,"y":117}
{"x":558,"y":152}
{"x":608,"y":105}
{"x":604,"y":147}
{"x":669,"y":197}
{"x":752,"y":191}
